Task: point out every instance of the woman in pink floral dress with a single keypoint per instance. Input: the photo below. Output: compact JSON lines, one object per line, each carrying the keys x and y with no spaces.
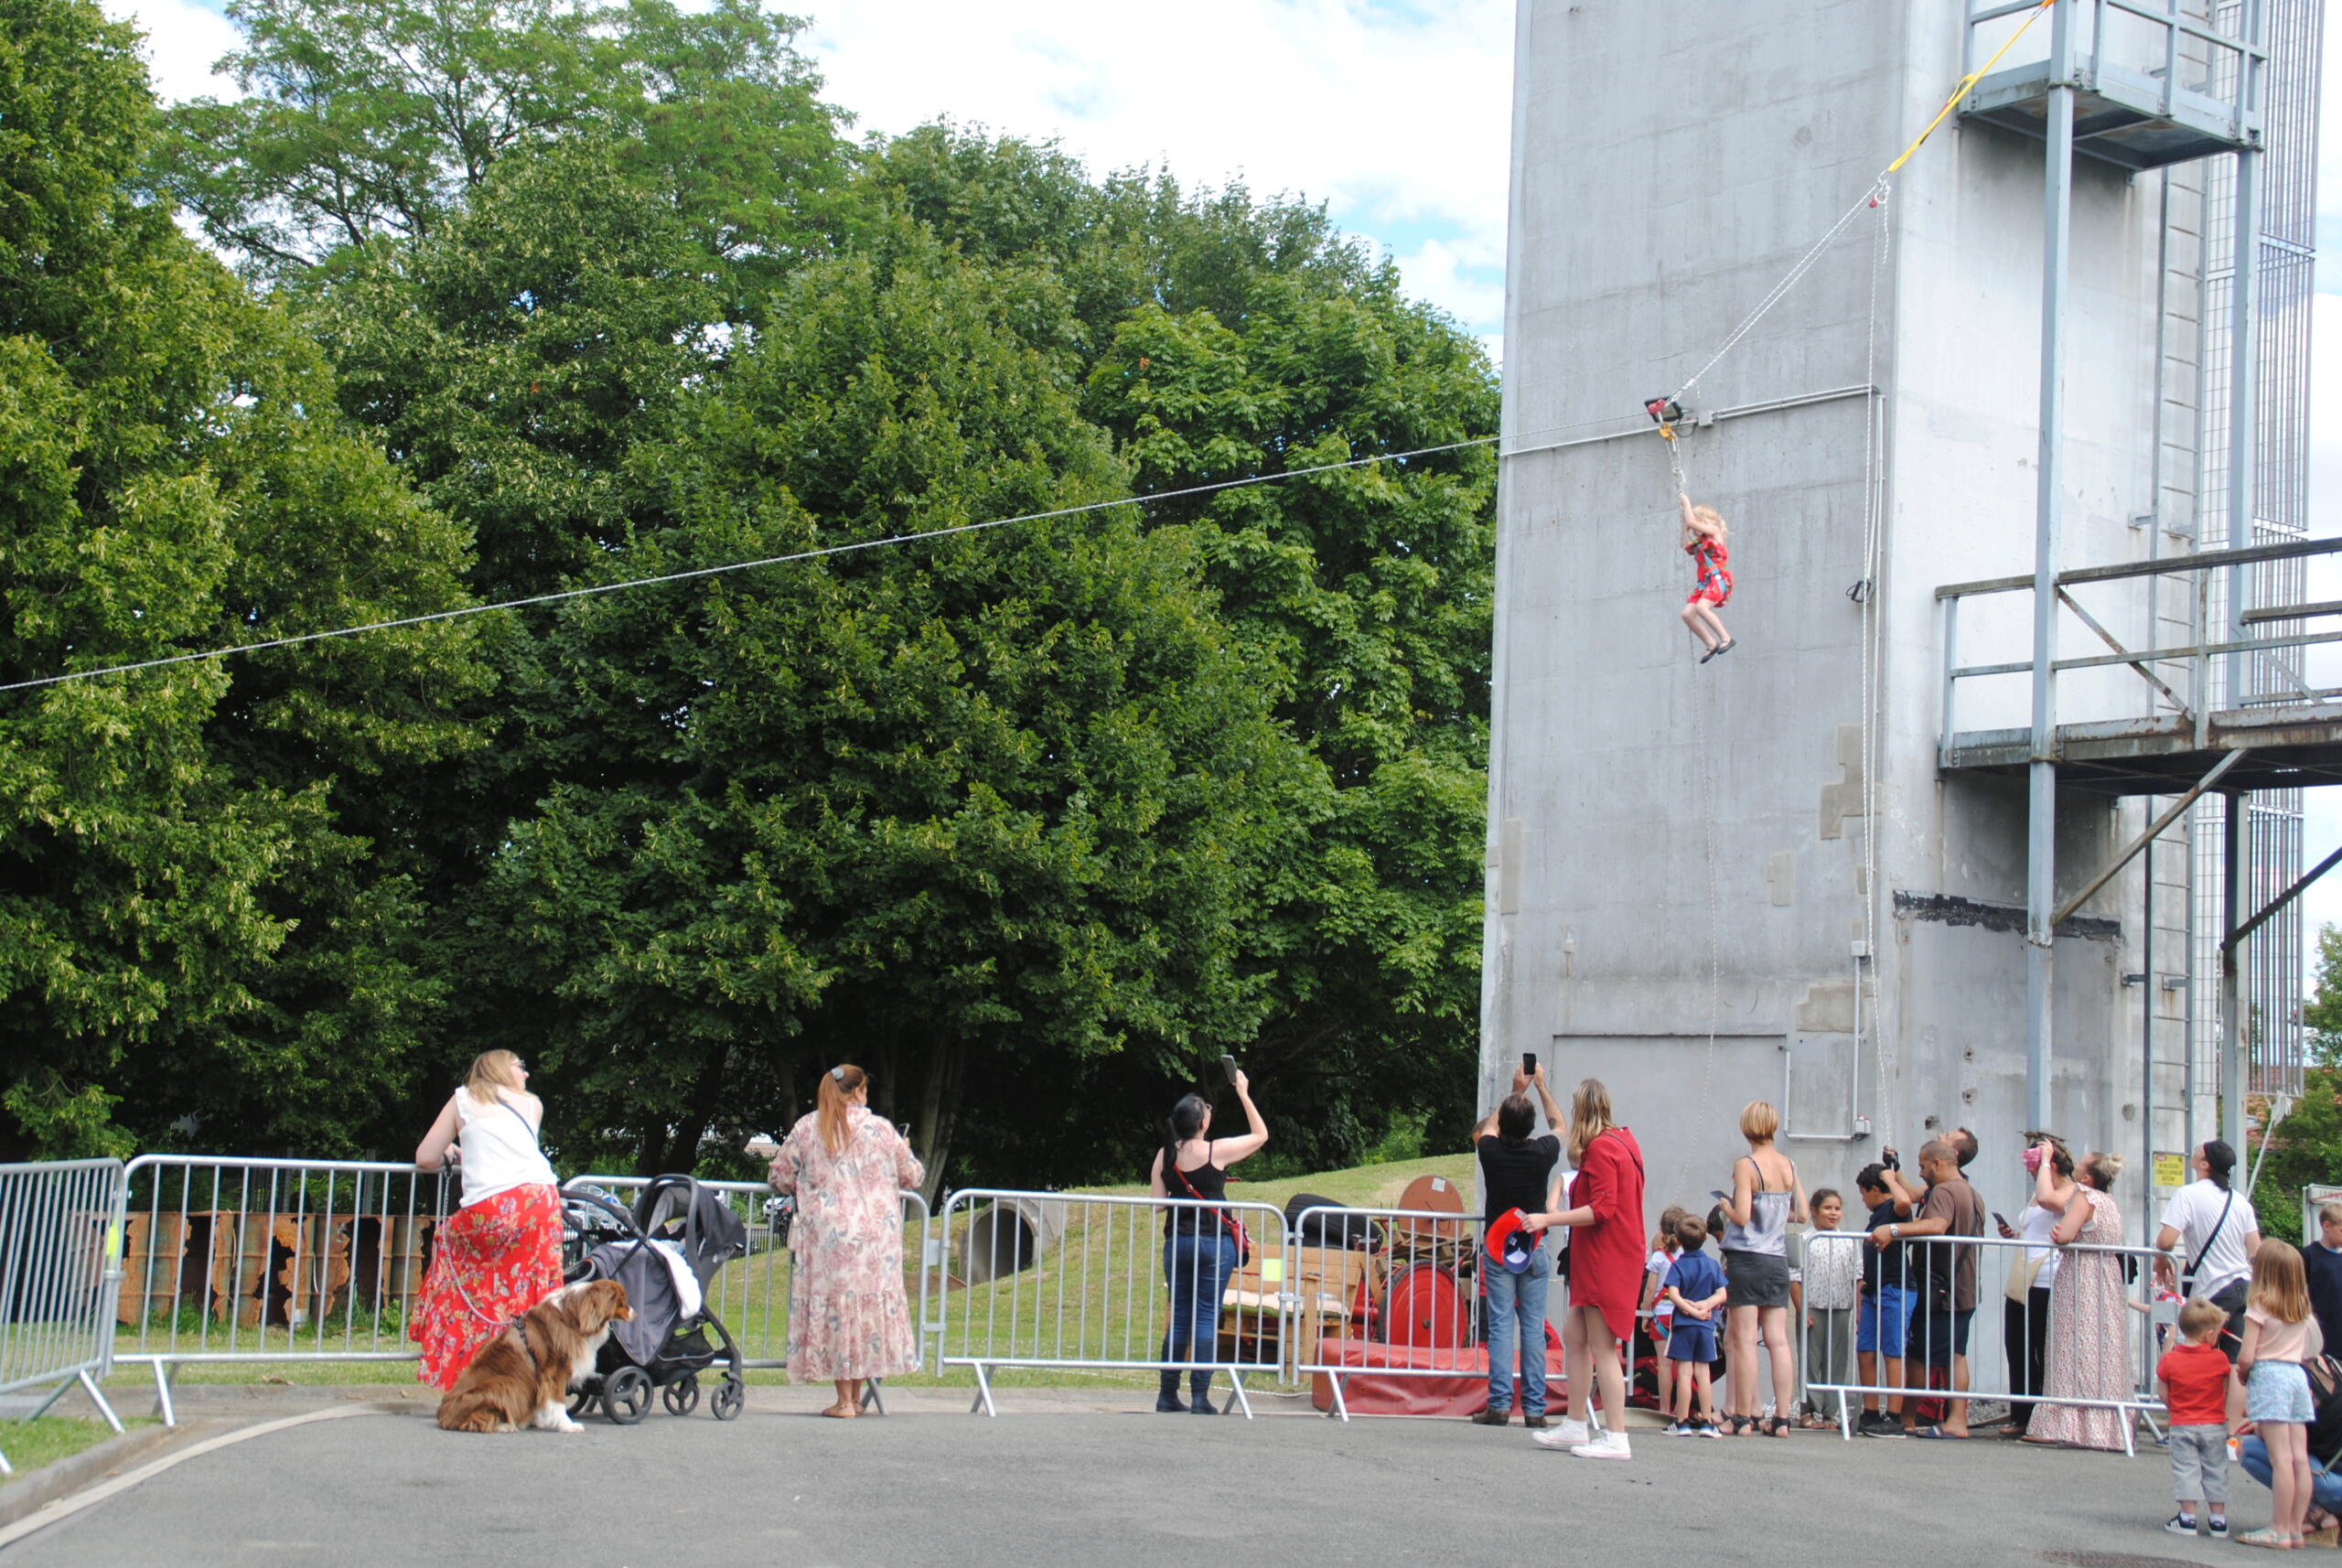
{"x":2090,"y":1334}
{"x":848,"y":1319}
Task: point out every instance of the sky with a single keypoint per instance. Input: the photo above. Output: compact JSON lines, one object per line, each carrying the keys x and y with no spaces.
{"x":1395,"y":114}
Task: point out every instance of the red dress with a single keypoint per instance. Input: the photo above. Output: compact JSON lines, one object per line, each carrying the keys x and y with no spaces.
{"x":1709,"y":558}
{"x":1607,"y":1256}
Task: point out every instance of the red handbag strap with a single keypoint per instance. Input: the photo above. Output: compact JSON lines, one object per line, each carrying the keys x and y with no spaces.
{"x":1227,"y":1220}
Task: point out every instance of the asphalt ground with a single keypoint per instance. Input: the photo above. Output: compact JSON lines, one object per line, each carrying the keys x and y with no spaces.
{"x":1074,"y":1481}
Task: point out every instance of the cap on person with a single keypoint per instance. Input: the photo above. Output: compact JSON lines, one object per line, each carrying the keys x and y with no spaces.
{"x":1510,"y":1242}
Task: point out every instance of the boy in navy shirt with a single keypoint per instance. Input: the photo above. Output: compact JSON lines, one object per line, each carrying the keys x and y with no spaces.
{"x":1695,"y":1287}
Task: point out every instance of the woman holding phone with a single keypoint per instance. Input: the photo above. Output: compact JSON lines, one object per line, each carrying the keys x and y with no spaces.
{"x":1199,"y":1243}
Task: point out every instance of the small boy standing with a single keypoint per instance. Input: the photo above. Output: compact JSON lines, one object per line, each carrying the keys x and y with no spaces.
{"x":1695,"y":1289}
{"x":2193,"y":1378}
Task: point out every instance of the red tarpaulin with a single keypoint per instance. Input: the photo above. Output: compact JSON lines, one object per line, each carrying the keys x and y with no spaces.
{"x":1450,"y":1382}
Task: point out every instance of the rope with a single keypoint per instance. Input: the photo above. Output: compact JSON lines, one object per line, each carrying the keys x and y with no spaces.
{"x":696,"y":572}
{"x":1876,"y":196}
{"x":1873,"y":632}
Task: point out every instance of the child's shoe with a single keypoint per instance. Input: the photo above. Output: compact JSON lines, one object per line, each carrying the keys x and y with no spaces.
{"x":1707,"y":1429}
{"x":2219,"y":1526}
{"x":2181,"y":1524}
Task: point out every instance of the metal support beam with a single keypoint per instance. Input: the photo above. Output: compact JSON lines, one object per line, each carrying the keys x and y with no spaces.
{"x":2244,"y":377}
{"x":2232,"y":875}
{"x":2155,"y":829}
{"x":2236,"y":938}
{"x":2041,"y":816}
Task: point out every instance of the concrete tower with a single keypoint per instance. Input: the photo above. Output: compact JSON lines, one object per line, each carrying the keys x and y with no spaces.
{"x":1787,"y":875}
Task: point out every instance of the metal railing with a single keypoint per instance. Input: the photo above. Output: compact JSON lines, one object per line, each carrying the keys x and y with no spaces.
{"x":2219,"y":59}
{"x":1422,"y":1317}
{"x":2115,"y":1287}
{"x":1034,"y":1279}
{"x":2193,"y":709}
{"x":56,"y":1257}
{"x":750,"y":1293}
{"x":227,"y":1258}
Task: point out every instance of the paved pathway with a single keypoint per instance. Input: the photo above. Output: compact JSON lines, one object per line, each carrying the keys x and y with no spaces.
{"x":780,"y":1488}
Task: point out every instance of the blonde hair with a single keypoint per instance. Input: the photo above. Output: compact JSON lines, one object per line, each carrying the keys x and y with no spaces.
{"x":2101,"y":1168}
{"x":2201,"y":1317}
{"x":838,"y":1085}
{"x":1759,"y":1121}
{"x":2330,"y":1214}
{"x":1710,"y":520}
{"x":491,"y":1072}
{"x":2278,"y":1288}
{"x":1589,"y":1116}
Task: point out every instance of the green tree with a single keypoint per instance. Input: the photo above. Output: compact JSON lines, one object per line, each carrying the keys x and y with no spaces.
{"x":1223,"y":338}
{"x":981,"y":813}
{"x":379,"y":120}
{"x":189,"y":924}
{"x":2307,"y":1146}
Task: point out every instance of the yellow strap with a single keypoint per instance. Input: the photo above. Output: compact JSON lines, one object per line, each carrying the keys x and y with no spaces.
{"x":1966,"y":84}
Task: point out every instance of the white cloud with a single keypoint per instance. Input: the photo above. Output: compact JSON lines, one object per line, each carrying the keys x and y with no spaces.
{"x":1397,"y":117}
{"x":183,"y":38}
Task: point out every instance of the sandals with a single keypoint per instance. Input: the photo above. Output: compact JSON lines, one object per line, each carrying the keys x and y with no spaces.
{"x":1777,"y":1427}
{"x":2275,"y":1540}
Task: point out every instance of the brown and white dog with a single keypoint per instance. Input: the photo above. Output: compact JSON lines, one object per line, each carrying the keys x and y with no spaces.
{"x":522,"y":1375}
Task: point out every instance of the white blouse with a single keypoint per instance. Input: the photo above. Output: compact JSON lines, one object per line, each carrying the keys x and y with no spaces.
{"x":499,"y":1144}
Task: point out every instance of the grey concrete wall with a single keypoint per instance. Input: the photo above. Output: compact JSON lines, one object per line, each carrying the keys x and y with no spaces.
{"x":1679,"y":851}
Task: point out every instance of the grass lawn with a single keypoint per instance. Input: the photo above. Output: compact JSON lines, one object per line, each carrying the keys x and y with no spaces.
{"x":1099,"y":1296}
{"x":29,"y":1445}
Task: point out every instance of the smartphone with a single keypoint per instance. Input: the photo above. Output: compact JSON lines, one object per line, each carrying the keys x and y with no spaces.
{"x":1528,"y":1063}
{"x":1227,"y":1068}
{"x":2002,"y":1220}
{"x":1719,"y":1195}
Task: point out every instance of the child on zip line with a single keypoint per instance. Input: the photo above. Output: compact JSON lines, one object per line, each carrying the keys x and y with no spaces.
{"x":1704,"y":534}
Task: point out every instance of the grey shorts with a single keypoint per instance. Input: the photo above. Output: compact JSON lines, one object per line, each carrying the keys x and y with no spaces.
{"x":2199,"y":1463}
{"x":1756,"y":1279}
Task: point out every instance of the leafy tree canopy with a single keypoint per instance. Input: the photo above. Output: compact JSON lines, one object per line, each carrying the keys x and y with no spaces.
{"x":193,"y":922}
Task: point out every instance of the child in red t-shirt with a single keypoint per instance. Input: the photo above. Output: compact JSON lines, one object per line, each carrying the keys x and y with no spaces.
{"x":2194,"y":1378}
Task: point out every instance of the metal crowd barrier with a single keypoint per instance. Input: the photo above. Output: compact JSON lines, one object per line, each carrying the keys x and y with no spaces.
{"x":750,"y":1294}
{"x":252,"y":1260}
{"x":56,"y":1263}
{"x":2145,"y":1321}
{"x":1037,"y":1279}
{"x":1393,"y":1293}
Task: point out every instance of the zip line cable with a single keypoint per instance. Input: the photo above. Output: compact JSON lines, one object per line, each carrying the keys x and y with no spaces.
{"x":696,"y":572}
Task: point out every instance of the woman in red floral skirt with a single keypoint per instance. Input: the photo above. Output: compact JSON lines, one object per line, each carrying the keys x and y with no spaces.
{"x":500,"y":1254}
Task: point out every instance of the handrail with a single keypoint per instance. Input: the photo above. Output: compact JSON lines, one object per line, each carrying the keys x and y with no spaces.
{"x":2201,"y":561}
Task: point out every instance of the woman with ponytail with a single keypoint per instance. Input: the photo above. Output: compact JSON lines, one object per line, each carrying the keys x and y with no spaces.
{"x":1198,"y":1247}
{"x":848,"y":1318}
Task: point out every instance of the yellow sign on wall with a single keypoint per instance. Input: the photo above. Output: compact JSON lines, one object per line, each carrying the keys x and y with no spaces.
{"x":2171,"y":1169}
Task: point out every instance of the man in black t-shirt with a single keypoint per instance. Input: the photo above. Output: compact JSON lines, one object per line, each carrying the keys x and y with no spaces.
{"x":1517,"y":1172}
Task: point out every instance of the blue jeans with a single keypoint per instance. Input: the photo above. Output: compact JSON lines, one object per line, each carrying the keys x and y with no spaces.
{"x":2326,"y":1490}
{"x":1517,"y":1316}
{"x":1197,"y":1268}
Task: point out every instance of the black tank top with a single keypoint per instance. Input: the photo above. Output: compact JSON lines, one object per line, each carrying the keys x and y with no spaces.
{"x":1207,"y":1181}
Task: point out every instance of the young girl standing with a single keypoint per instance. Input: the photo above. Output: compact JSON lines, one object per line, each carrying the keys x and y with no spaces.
{"x":1703,"y":532}
{"x":2276,"y":1389}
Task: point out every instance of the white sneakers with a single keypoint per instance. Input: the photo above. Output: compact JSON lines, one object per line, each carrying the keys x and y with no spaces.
{"x":1574,"y":1436}
{"x":1605,"y":1446}
{"x":1566,"y":1435}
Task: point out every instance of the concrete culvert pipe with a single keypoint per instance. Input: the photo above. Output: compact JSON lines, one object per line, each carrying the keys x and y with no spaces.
{"x":1008,"y":1238}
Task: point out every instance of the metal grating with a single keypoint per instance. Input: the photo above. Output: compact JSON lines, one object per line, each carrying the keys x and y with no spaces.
{"x":2286,"y":261}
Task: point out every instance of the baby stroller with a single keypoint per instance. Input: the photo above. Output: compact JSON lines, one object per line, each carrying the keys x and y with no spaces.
{"x":665,"y":1252}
